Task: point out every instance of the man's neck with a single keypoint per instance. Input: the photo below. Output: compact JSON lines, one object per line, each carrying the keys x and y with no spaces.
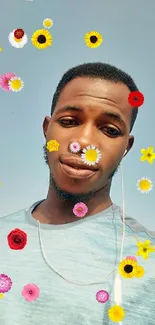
{"x":53,"y":211}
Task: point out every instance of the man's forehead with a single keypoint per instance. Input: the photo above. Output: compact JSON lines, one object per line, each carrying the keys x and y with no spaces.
{"x":96,"y":89}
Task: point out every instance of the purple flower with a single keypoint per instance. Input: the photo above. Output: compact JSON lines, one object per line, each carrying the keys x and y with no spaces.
{"x":5,"y":283}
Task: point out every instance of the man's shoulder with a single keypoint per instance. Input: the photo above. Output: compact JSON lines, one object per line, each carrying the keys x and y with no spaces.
{"x":134,"y":226}
{"x":18,"y":216}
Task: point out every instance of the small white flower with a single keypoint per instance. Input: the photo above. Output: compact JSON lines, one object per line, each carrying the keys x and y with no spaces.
{"x":16,"y":84}
{"x":47,"y":23}
{"x":17,"y":43}
{"x":144,"y":185}
{"x":74,"y":147}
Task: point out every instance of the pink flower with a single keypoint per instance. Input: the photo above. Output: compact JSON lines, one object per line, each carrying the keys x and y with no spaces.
{"x":102,"y":296}
{"x":80,"y":209}
{"x":131,"y":258}
{"x":4,"y":80}
{"x":30,"y":292}
{"x":5,"y":283}
{"x":75,"y":147}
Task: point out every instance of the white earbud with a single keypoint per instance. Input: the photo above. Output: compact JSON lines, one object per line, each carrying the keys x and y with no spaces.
{"x":125,"y":153}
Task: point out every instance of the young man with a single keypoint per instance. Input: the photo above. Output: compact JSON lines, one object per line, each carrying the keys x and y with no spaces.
{"x":64,"y":261}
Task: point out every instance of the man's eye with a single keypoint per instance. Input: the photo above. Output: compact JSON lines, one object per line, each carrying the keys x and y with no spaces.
{"x":67,"y":122}
{"x":111,"y":131}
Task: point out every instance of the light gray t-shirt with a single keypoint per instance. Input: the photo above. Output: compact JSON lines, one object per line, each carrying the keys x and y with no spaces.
{"x":83,"y":252}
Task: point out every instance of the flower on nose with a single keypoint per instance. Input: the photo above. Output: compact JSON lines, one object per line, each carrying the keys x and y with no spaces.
{"x":74,"y":147}
{"x":91,"y":155}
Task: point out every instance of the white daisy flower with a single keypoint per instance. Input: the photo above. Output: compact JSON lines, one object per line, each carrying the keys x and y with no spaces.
{"x":74,"y":147}
{"x":16,"y":84}
{"x":17,"y":43}
{"x":47,"y":23}
{"x":91,"y":155}
{"x":144,"y":185}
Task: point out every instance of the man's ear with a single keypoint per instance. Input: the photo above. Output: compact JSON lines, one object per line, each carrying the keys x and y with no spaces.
{"x":130,"y":144}
{"x":46,"y":122}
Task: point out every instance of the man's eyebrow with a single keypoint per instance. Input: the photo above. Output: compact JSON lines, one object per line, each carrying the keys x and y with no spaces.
{"x":69,"y":108}
{"x":112,"y":115}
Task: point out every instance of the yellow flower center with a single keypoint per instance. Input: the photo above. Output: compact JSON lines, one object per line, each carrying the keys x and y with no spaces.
{"x":1,"y":49}
{"x":18,"y":39}
{"x":16,"y":84}
{"x":91,"y":155}
{"x":144,"y":184}
{"x":1,"y":295}
{"x":47,"y":23}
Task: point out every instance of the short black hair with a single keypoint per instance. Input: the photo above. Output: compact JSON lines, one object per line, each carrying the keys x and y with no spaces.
{"x":96,"y":70}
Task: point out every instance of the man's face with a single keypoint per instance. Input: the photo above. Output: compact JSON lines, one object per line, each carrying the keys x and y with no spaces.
{"x":90,"y":126}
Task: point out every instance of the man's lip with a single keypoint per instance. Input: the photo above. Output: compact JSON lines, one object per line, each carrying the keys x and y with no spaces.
{"x":76,"y":173}
{"x":77,"y":164}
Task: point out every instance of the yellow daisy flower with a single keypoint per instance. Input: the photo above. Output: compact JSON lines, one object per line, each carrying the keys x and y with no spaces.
{"x":52,"y":145}
{"x":145,"y":249}
{"x":148,"y":154}
{"x":144,"y":185}
{"x":41,"y":39}
{"x":16,"y":84}
{"x":139,"y":271}
{"x":127,"y":268}
{"x":116,"y":313}
{"x":1,"y":295}
{"x":91,"y":155}
{"x":93,"y":39}
{"x":47,"y":23}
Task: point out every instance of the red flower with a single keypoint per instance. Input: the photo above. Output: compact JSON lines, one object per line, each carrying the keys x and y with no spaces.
{"x":17,"y":239}
{"x":19,"y":33}
{"x":136,"y":99}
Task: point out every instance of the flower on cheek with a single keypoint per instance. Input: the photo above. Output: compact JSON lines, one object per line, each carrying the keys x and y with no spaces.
{"x":17,"y":239}
{"x":52,"y":145}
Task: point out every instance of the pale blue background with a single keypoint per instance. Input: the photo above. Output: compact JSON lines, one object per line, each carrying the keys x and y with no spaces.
{"x":129,"y":43}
